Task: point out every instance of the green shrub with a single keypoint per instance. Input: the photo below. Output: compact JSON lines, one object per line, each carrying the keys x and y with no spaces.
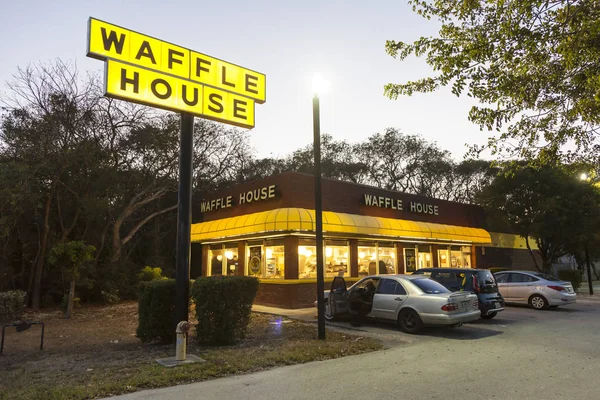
{"x":149,"y":274}
{"x":223,"y":306}
{"x":110,"y":297}
{"x":12,"y":304}
{"x":572,"y":276}
{"x":65,"y":302}
{"x":156,"y":316}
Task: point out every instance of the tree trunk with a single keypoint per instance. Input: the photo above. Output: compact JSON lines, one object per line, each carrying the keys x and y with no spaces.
{"x":532,"y":253}
{"x":71,"y":300}
{"x":37,"y":280}
{"x":116,"y":239}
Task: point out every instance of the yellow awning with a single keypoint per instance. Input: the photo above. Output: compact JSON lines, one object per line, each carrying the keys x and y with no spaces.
{"x":285,"y":220}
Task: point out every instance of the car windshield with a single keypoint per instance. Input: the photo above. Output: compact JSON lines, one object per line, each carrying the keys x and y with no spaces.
{"x":546,"y":277}
{"x":429,"y":286}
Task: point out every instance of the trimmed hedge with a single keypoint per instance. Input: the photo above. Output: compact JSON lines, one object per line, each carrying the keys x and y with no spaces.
{"x":572,"y":276}
{"x":223,"y":306}
{"x":12,"y":304}
{"x":156,"y":311}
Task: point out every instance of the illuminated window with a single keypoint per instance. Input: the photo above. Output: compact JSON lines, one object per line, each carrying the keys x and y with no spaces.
{"x":223,"y":259}
{"x":387,"y":258}
{"x":336,"y":258}
{"x":424,"y":259}
{"x":232,"y":263}
{"x":307,"y":261}
{"x":376,"y":258}
{"x":216,"y":255}
{"x":367,"y":259}
{"x":443,"y":258}
{"x":254,"y":259}
{"x":466,"y":256}
{"x":275,"y":261}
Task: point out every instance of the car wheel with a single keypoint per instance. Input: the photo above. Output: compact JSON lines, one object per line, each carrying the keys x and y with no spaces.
{"x":538,"y":302}
{"x":490,"y":315}
{"x":409,"y":321}
{"x":328,"y":311}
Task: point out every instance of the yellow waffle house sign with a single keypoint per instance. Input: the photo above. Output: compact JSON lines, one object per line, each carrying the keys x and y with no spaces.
{"x":146,"y":70}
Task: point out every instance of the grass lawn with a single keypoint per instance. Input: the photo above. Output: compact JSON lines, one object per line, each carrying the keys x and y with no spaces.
{"x":96,"y":354}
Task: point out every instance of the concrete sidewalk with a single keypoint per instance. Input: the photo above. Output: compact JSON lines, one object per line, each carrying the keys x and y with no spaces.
{"x":301,"y":314}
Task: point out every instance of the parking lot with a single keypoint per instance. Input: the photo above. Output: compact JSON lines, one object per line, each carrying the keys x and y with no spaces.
{"x":520,"y":354}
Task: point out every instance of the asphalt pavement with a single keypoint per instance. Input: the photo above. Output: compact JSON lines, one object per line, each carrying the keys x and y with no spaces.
{"x":520,"y":354}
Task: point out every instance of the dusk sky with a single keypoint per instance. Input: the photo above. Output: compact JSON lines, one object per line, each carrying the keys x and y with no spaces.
{"x":343,"y":41}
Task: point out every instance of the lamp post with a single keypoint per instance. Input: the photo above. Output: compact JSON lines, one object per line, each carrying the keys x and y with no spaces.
{"x":319,"y":86}
{"x":588,"y":264}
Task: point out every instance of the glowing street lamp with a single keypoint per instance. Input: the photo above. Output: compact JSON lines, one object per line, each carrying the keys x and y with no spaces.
{"x":320,"y":86}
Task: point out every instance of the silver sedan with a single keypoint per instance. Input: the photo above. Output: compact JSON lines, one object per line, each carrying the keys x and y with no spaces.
{"x":413,"y":301}
{"x":538,"y":290}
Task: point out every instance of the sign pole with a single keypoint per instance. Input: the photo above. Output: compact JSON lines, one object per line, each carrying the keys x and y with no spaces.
{"x":319,"y":219}
{"x":184,"y":217}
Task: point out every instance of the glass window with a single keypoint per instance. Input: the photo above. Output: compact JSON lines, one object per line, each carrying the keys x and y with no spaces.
{"x":275,"y":257}
{"x":365,"y":282}
{"x":410,"y":260}
{"x":520,"y":278}
{"x":400,"y":289}
{"x":307,"y":261}
{"x":485,"y":278}
{"x":424,"y":257}
{"x":336,"y":259}
{"x":367,"y":260}
{"x":466,"y":256}
{"x":446,"y":278}
{"x":254,"y":256}
{"x":501,"y":278}
{"x":387,"y":258}
{"x":387,"y":286}
{"x":429,"y":286}
{"x":390,"y":286}
{"x":456,"y":258}
{"x":443,"y":258}
{"x":546,"y":277}
{"x":215,"y":257}
{"x":231,"y":260}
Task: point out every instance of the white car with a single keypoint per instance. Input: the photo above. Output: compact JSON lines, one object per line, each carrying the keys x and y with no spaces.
{"x":413,"y":301}
{"x":538,"y":290}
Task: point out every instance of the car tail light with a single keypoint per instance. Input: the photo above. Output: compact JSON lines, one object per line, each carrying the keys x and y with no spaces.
{"x":450,"y":307}
{"x":558,"y":288}
{"x":475,"y":283}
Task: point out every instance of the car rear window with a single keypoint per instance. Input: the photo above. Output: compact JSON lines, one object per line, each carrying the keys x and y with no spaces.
{"x":486,"y":278}
{"x":429,"y":286}
{"x":546,"y":277}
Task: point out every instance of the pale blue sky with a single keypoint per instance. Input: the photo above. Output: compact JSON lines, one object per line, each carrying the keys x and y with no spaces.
{"x":288,"y":41}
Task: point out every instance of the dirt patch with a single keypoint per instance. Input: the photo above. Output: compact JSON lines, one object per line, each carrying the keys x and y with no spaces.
{"x":96,"y":354}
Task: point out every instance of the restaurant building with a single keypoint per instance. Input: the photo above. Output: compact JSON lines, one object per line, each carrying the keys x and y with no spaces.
{"x":266,"y":229}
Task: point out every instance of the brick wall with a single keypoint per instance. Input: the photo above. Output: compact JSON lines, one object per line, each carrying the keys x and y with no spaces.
{"x":495,"y":257}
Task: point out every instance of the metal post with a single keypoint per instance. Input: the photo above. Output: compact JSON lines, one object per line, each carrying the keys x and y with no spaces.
{"x":319,"y":219}
{"x":184,"y":218}
{"x":589,"y":269}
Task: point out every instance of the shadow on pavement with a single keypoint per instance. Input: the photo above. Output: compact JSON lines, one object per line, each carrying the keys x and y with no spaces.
{"x":465,"y":332}
{"x":461,"y":333}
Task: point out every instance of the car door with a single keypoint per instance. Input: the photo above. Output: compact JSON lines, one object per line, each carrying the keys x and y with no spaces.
{"x":338,"y":299}
{"x":388,"y":299}
{"x":502,"y":282}
{"x":521,"y":287}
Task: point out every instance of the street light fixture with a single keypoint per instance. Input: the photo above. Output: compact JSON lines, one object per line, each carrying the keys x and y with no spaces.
{"x":320,"y":86}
